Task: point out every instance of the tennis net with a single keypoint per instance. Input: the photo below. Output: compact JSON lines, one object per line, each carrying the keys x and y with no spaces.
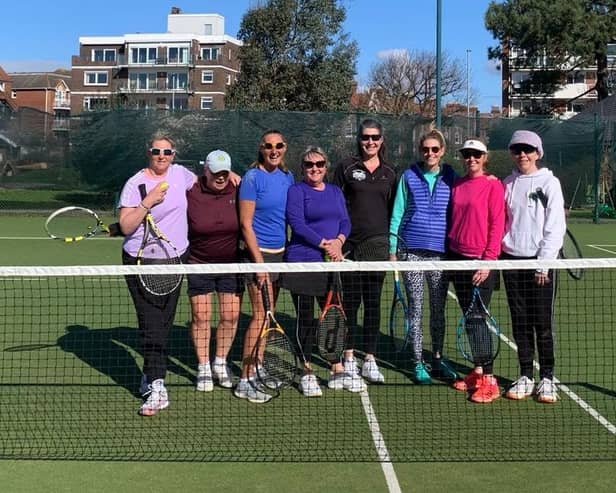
{"x":71,"y":358}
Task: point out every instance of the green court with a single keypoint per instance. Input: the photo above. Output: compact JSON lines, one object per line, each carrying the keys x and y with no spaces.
{"x":90,"y":357}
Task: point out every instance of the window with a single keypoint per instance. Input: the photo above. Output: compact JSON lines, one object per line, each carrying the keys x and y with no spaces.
{"x":207,"y":103}
{"x":143,"y":55}
{"x":576,"y":78}
{"x":178,"y":54}
{"x":207,"y":29}
{"x":228,"y":81}
{"x":209,"y":53}
{"x":2,"y":87}
{"x":103,"y":55}
{"x":177,"y":80}
{"x":13,"y":95}
{"x":95,"y":78}
{"x":207,"y":77}
{"x":94,"y":103}
{"x":229,"y":53}
{"x":142,"y":81}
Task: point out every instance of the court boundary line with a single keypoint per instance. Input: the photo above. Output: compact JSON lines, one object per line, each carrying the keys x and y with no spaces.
{"x":566,"y":390}
{"x":599,"y":247}
{"x":393,"y":485}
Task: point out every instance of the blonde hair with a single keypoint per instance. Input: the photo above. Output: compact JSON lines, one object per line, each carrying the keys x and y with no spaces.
{"x":283,"y":165}
{"x":160,"y":136}
{"x":433,"y":134}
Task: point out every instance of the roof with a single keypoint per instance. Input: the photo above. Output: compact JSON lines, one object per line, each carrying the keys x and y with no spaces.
{"x":40,"y":80}
{"x":4,"y":77}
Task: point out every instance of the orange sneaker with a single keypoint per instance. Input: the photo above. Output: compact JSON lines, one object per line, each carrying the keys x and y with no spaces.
{"x":470,"y":382}
{"x":487,"y":391}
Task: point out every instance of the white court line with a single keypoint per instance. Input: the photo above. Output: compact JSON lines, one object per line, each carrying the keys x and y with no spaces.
{"x":599,"y":247}
{"x":379,"y":443}
{"x":572,"y":395}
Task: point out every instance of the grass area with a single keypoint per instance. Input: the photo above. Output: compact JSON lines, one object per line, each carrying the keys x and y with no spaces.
{"x":84,"y":358}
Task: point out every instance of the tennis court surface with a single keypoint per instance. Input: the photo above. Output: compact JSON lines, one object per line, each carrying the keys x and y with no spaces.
{"x":70,"y":371}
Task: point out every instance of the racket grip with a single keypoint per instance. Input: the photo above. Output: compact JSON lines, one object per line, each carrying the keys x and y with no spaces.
{"x":267,"y":304}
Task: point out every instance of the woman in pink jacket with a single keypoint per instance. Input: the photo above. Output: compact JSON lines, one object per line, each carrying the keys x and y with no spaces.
{"x":477,"y":227}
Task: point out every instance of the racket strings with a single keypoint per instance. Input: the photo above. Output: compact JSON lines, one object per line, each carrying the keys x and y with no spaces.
{"x":482,"y":339}
{"x":332,"y":333}
{"x":72,"y":224}
{"x":278,"y":357}
{"x":398,"y":325}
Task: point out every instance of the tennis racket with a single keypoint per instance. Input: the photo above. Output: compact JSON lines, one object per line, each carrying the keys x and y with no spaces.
{"x":277,"y":360}
{"x":332,"y":328}
{"x":571,"y":248}
{"x":157,"y":249}
{"x":478,"y":336}
{"x":72,"y":224}
{"x":399,"y":326}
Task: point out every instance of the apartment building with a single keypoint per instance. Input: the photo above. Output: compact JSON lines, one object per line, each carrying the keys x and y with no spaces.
{"x":571,"y":96}
{"x":188,"y":67}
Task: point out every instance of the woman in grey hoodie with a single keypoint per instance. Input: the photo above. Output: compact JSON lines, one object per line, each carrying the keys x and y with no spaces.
{"x":534,"y":229}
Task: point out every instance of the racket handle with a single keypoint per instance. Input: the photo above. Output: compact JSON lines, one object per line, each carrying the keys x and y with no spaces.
{"x":267,"y":304}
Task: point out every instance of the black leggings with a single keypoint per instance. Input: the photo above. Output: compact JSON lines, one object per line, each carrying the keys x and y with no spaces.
{"x":531,"y":308}
{"x":366,"y":288}
{"x":306,"y":323}
{"x":155,"y":315}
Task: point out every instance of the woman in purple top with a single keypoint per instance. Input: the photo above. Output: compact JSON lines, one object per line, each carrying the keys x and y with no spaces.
{"x":168,"y":207}
{"x":319,"y":222}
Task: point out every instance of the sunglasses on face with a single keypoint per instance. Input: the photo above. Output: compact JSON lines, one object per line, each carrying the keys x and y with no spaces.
{"x":433,"y":150}
{"x":518,"y":149}
{"x":469,"y":153}
{"x":312,"y":164}
{"x":165,"y":152}
{"x":373,"y":138}
{"x":269,"y":146}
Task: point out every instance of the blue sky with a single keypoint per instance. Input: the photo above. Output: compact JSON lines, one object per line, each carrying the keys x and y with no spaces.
{"x":43,"y":35}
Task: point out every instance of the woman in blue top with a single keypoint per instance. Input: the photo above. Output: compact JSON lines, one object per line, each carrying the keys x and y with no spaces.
{"x":263,"y":200}
{"x":320,"y":224}
{"x":420,"y":217}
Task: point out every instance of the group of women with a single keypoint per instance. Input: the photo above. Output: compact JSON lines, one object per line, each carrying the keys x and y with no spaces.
{"x":215,"y":218}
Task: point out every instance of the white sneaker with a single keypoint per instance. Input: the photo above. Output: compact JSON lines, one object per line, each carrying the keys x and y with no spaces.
{"x":223,"y":374}
{"x":204,"y":378}
{"x":247,"y":389}
{"x":351,"y":382}
{"x":370,"y":371}
{"x":522,"y":388}
{"x":547,"y":391}
{"x":309,"y":386}
{"x":157,"y":399}
{"x":350,"y":366}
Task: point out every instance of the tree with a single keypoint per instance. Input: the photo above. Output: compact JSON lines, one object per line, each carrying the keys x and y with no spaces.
{"x":295,"y":58}
{"x":563,"y":35}
{"x":405,"y":82}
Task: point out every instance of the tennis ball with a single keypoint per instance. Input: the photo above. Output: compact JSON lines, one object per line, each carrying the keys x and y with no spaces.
{"x":164,"y":186}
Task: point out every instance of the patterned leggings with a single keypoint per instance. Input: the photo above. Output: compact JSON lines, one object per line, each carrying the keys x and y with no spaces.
{"x":437,"y":282}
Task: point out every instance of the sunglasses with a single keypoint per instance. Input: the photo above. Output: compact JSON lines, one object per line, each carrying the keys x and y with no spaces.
{"x":518,"y":149}
{"x":433,"y":150}
{"x":469,"y":153}
{"x":312,"y":164}
{"x":165,"y":152}
{"x":269,"y":146}
{"x":373,"y":138}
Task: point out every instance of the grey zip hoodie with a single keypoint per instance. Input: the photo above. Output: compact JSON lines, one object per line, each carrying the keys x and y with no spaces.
{"x":530,"y":229}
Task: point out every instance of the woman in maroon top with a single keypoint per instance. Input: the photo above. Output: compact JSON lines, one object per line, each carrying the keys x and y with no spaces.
{"x":213,"y":233}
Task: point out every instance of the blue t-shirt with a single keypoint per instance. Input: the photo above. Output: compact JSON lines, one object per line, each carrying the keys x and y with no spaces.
{"x":269,"y":192}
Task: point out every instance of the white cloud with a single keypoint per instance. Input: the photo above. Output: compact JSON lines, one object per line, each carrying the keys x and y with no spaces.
{"x":392,"y":52}
{"x":33,"y":65}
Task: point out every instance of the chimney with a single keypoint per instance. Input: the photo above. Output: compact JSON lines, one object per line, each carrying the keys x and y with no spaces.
{"x":176,"y":10}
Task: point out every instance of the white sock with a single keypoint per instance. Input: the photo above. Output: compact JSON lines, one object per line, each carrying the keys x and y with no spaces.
{"x":220,"y":361}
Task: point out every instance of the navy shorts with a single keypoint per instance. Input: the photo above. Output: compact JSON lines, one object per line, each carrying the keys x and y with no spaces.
{"x":199,"y":284}
{"x":267,"y":258}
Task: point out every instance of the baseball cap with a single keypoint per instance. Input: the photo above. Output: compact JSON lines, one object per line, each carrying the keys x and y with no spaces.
{"x":217,"y":161}
{"x":529,"y":138}
{"x":475,"y":145}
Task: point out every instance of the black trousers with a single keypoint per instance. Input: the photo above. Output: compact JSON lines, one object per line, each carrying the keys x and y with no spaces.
{"x":463,"y":284}
{"x":306,"y":323}
{"x":532,"y":309}
{"x":366,"y":288}
{"x":155,"y":315}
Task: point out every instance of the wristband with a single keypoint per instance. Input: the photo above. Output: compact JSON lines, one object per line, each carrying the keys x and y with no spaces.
{"x":144,"y":207}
